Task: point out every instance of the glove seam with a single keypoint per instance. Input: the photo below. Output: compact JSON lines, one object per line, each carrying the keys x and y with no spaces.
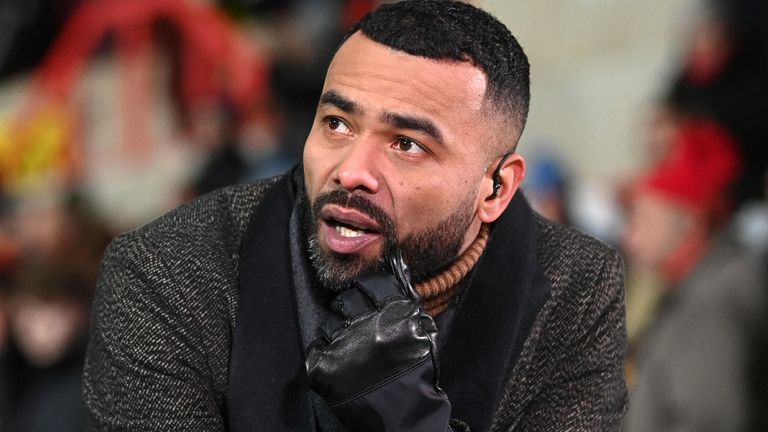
{"x":379,"y":305}
{"x":435,"y":362}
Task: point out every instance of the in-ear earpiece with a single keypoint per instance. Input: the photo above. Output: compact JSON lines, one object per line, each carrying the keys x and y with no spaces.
{"x":497,"y":175}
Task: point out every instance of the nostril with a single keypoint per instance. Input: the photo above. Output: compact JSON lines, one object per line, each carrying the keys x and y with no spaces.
{"x":358,"y":167}
{"x":358,"y":180}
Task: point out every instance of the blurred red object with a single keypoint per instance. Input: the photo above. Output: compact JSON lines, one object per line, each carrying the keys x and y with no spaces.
{"x":9,"y":253}
{"x":214,"y":53}
{"x":216,"y":60}
{"x":354,"y":10}
{"x":701,"y":165}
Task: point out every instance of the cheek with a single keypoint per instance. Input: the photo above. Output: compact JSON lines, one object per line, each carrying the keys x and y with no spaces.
{"x":422,"y":205}
{"x":318,"y":165}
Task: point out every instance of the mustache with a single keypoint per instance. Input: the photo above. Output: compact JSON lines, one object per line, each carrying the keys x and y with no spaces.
{"x":361,"y":204}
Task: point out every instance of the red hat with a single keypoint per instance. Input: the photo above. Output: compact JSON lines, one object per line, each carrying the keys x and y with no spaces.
{"x":702,"y":163}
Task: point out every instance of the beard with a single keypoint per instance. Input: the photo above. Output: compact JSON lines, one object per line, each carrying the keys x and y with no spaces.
{"x":427,"y":252}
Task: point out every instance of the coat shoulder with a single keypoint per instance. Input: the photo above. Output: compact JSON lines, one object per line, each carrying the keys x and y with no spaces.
{"x":587,"y":280}
{"x":193,"y":250}
{"x":572,"y":259}
{"x":165,"y":310}
{"x":222,"y":214}
{"x":570,"y":373}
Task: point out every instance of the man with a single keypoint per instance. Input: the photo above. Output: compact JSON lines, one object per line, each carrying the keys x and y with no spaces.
{"x":289,"y":304}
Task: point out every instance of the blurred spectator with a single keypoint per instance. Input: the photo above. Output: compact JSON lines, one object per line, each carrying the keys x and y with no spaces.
{"x":49,"y":322}
{"x":213,"y":129}
{"x":725,"y":77}
{"x":308,"y":33}
{"x":61,"y":229}
{"x":8,"y":259}
{"x":45,"y":294}
{"x":29,"y":27}
{"x":546,"y":186}
{"x":693,"y":364}
{"x":235,"y":151}
{"x":751,"y":227}
{"x":305,"y":35}
{"x":660,"y":133}
{"x":4,"y":321}
{"x":3,"y":317}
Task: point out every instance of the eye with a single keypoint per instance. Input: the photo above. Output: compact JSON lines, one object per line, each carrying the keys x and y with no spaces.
{"x":338,"y":125}
{"x":408,"y":145}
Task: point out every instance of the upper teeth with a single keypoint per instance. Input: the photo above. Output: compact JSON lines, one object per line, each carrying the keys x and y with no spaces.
{"x":348,"y":232}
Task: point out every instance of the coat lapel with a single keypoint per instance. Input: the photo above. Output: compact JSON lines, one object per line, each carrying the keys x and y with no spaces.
{"x":267,"y":384}
{"x":494,"y":317}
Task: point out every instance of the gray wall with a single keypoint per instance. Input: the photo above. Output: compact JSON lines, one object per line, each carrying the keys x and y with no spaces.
{"x":597,"y":67}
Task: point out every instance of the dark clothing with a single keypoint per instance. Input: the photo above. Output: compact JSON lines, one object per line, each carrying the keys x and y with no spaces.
{"x":202,"y":314}
{"x":738,"y":99}
{"x":225,"y":166}
{"x":693,"y":370}
{"x":42,"y":398}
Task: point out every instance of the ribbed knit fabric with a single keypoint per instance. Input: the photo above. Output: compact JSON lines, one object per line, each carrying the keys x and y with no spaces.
{"x":438,"y":291}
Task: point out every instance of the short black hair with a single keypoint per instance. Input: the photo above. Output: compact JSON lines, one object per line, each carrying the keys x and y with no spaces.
{"x":456,"y":31}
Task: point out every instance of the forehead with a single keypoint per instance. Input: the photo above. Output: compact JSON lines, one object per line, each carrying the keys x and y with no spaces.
{"x":383,"y":79}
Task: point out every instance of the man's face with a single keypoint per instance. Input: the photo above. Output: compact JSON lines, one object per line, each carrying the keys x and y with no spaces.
{"x":395,"y":157}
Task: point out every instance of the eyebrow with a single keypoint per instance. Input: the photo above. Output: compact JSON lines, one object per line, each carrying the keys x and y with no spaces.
{"x":401,"y":121}
{"x":333,"y":98}
{"x":414,"y":123}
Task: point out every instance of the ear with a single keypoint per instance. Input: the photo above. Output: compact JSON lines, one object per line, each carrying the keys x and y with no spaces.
{"x":512,"y":173}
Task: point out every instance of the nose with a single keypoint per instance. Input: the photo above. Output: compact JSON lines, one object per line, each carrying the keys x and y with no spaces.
{"x":358,"y":170}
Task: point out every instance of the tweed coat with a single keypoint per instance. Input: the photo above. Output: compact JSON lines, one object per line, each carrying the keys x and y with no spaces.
{"x":167,"y":309}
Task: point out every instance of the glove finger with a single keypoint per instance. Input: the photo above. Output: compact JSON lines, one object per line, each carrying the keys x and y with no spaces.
{"x":427,"y":323}
{"x":313,"y":357}
{"x":351,"y":303}
{"x":313,"y":351}
{"x":381,"y":288}
{"x":331,"y":326}
{"x":403,"y":275}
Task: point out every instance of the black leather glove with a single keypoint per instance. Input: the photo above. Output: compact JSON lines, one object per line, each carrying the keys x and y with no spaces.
{"x":375,"y":363}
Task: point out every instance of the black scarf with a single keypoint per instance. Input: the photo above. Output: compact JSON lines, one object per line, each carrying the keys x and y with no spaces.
{"x":267,"y":382}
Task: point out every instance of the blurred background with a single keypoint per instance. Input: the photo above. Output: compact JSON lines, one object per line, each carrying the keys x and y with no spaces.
{"x":647,"y":129}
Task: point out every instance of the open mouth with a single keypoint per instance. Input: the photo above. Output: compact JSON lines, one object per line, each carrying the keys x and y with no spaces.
{"x":348,"y":230}
{"x":349,"y":222}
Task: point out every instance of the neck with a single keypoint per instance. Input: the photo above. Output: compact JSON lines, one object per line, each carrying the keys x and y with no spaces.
{"x":438,"y":291}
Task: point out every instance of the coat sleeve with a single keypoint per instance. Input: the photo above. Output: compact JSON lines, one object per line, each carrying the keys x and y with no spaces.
{"x":588,"y":392}
{"x":145,"y":369}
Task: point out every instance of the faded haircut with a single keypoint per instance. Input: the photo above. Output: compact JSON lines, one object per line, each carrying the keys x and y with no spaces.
{"x":456,"y":31}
